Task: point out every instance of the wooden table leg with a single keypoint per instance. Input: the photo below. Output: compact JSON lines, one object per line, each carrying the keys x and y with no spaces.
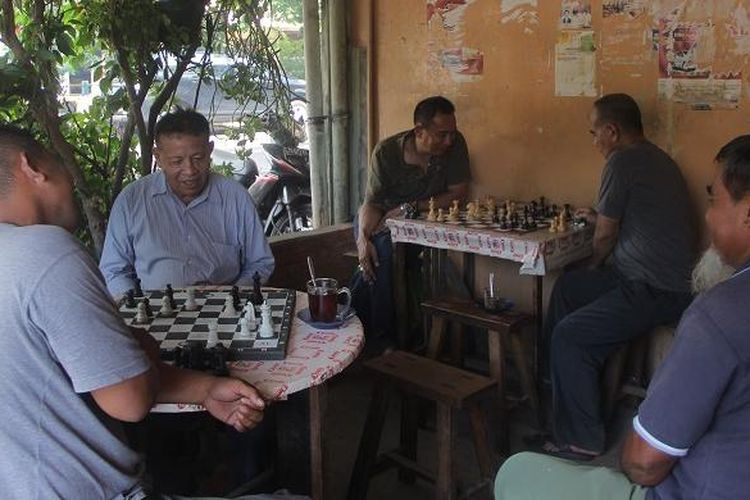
{"x":497,"y":372}
{"x":318,"y":395}
{"x":539,"y":317}
{"x":400,"y":301}
{"x":445,"y":451}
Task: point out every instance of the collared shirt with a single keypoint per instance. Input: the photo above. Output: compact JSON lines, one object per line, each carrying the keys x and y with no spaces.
{"x":391,"y":181}
{"x":698,"y":403}
{"x":216,"y":239}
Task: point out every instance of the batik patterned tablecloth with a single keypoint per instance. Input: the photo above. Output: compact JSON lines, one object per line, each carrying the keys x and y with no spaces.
{"x":538,"y":251}
{"x":313,"y":356}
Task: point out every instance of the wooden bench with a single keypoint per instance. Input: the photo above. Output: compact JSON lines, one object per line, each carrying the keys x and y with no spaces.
{"x":503,"y":329}
{"x":450,"y":388}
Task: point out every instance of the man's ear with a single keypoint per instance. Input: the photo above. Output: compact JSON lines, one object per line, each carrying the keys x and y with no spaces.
{"x":29,"y":170}
{"x":210,"y":147}
{"x":157,"y":154}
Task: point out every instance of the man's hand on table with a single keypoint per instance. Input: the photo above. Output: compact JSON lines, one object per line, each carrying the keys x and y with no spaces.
{"x":235,"y":403}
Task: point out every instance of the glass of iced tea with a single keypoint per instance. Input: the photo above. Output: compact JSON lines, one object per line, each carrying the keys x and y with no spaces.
{"x":323,"y":298}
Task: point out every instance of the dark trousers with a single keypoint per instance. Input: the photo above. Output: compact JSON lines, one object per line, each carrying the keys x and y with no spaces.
{"x":592,"y":313}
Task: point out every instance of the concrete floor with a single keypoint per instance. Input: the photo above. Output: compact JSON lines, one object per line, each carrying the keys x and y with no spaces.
{"x":348,"y":399}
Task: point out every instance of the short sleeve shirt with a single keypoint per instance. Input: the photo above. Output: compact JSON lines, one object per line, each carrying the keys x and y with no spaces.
{"x":60,"y":339}
{"x":644,"y":190}
{"x":391,"y":181}
{"x":698,"y":403}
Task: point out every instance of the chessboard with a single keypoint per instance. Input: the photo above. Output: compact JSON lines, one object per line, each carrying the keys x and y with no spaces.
{"x":192,"y":326}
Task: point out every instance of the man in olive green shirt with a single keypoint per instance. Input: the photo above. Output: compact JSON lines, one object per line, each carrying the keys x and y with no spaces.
{"x":407,"y":169}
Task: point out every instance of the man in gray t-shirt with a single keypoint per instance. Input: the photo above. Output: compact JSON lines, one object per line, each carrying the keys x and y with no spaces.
{"x":70,"y":369}
{"x":644,"y":223}
{"x":691,"y":437}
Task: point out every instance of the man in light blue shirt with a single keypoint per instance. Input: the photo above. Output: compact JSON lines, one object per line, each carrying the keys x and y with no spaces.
{"x":183,"y":225}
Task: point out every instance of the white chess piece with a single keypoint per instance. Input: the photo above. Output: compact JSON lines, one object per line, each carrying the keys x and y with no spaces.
{"x":229,"y":309}
{"x":266,"y":326}
{"x":190,"y":304}
{"x":141,"y":318}
{"x":245,"y":330}
{"x":213,"y":334}
{"x":166,"y":307}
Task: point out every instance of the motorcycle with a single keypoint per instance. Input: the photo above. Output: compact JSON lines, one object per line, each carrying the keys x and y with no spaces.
{"x":282,"y":194}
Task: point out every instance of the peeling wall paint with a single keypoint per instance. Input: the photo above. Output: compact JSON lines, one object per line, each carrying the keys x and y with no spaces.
{"x":522,"y":12}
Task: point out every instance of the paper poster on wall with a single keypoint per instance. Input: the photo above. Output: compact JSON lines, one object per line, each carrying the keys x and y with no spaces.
{"x":463,"y":63}
{"x":523,"y":12}
{"x":686,"y":57}
{"x":575,"y":64}
{"x":575,"y":14}
{"x":738,"y":30}
{"x":703,"y":94}
{"x":450,"y":12}
{"x":685,"y":49}
{"x":630,"y":8}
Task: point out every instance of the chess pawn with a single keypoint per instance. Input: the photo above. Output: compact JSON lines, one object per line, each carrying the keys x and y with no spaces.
{"x":141,"y":316}
{"x":562,"y":224}
{"x":229,"y":309}
{"x":245,"y":330}
{"x":453,"y":214}
{"x":440,"y":215}
{"x":190,"y":304}
{"x":166,"y":307}
{"x":455,"y":206}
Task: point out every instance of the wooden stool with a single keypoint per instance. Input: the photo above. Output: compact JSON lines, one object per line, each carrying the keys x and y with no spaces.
{"x":450,"y":388}
{"x":501,"y":328}
{"x":627,"y":371}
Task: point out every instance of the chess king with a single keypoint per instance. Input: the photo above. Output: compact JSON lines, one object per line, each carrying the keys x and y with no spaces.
{"x":71,"y":370}
{"x":430,"y":160}
{"x":183,"y":224}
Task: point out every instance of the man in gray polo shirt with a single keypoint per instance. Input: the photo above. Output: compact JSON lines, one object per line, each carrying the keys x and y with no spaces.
{"x":644,"y":222}
{"x":70,"y":369}
{"x":691,"y":437}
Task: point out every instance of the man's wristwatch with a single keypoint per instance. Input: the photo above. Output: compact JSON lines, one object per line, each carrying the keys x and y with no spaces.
{"x":409,"y":210}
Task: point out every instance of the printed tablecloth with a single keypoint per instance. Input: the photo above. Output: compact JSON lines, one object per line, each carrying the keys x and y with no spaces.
{"x":313,"y":356}
{"x":538,"y":251}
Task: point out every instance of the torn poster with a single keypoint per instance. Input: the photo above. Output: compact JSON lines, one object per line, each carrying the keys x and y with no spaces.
{"x":738,"y":30}
{"x":575,"y":14}
{"x":575,"y":64}
{"x":450,"y":12}
{"x":630,"y":8}
{"x":686,"y":57}
{"x":523,"y":12}
{"x":686,"y":49}
{"x":703,"y":94}
{"x":463,"y":63}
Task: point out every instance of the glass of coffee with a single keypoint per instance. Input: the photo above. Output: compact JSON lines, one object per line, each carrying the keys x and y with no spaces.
{"x":323,"y":299}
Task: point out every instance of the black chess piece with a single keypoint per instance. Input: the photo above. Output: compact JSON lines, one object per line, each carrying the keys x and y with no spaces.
{"x":257,"y":297}
{"x":129,"y":299}
{"x":219,"y":355}
{"x":169,"y":293}
{"x":138,"y":291}
{"x":149,"y":311}
{"x":236,"y":298}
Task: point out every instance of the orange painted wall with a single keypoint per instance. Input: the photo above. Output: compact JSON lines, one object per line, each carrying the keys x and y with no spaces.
{"x":524,"y":141}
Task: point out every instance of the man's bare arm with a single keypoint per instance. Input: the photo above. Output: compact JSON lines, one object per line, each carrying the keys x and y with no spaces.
{"x":644,"y":464}
{"x":370,"y":219}
{"x":605,"y":237}
{"x":444,"y":200}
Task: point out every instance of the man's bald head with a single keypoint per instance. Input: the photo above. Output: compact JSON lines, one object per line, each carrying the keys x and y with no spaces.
{"x":14,"y":140}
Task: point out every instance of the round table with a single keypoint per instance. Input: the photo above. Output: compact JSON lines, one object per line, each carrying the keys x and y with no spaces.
{"x":313,"y":356}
